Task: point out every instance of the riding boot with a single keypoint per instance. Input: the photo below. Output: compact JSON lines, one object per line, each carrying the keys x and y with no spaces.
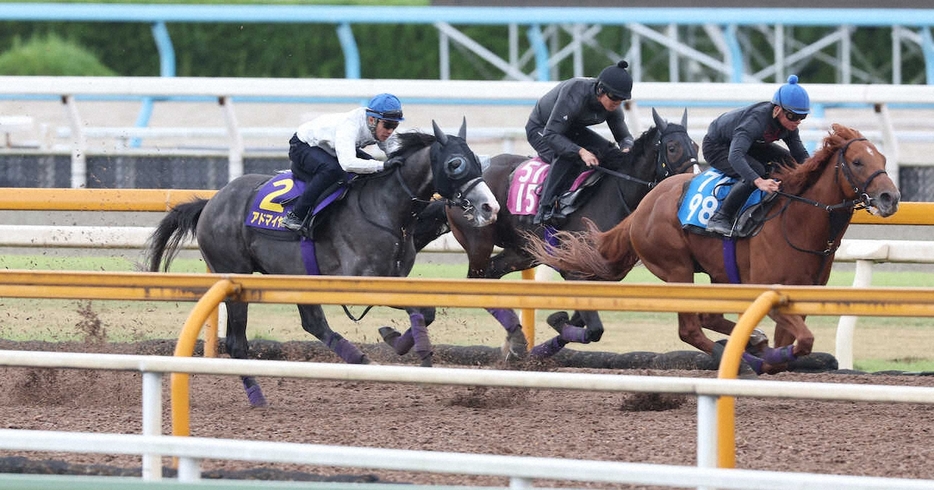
{"x":723,"y":220}
{"x":296,"y":218}
{"x":555,"y":185}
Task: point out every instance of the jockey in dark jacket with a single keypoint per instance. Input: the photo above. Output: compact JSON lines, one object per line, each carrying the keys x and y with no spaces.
{"x":741,"y":144}
{"x":558,"y":128}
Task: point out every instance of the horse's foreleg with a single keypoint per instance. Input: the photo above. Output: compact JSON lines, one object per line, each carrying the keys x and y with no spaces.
{"x":793,"y":339}
{"x":689,"y":331}
{"x":717,"y":322}
{"x":238,"y":348}
{"x":516,"y":345}
{"x":592,"y":322}
{"x":314,"y":322}
{"x":549,"y":348}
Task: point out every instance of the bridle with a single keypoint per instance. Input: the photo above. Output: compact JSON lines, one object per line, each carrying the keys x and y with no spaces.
{"x":863,"y":199}
{"x":838,"y":221}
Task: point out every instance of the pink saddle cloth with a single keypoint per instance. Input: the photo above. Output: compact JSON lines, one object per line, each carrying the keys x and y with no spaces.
{"x":525,"y":189}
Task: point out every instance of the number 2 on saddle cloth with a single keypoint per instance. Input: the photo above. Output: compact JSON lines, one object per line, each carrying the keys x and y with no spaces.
{"x":275,"y":199}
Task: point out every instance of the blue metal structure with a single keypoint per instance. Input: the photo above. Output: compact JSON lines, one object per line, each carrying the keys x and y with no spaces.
{"x":726,"y":29}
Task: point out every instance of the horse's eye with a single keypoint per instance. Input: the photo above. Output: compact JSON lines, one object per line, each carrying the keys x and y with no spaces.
{"x":457,"y":167}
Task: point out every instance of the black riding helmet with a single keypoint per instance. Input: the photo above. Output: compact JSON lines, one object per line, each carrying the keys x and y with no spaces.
{"x":615,"y":81}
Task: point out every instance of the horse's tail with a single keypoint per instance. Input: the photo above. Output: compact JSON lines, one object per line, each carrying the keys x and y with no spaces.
{"x":178,"y":225}
{"x":591,"y":254}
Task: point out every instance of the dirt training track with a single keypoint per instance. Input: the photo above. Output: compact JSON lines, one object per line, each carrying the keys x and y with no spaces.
{"x":894,"y":440}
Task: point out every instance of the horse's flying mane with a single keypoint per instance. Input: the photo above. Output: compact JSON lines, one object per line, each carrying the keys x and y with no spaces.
{"x":796,"y":179}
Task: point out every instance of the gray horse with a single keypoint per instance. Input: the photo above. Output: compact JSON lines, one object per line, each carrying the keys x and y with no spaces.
{"x":367,"y":233}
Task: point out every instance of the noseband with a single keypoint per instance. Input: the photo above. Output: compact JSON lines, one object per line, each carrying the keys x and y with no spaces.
{"x":459,"y":198}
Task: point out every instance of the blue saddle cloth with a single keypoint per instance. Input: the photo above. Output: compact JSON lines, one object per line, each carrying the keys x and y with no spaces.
{"x":703,"y":196}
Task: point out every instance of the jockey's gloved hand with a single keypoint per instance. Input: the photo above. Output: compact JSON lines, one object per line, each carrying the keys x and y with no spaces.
{"x":626,"y":143}
{"x":393,"y":162}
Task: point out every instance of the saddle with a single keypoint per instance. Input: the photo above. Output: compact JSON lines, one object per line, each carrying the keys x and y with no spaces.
{"x":278,"y":195}
{"x":702,"y":196}
{"x":525,"y":188}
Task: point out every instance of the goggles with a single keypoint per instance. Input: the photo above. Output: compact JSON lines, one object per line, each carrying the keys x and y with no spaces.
{"x":794,"y":117}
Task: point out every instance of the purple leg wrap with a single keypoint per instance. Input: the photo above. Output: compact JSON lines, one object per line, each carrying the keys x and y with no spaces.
{"x":570,"y":333}
{"x":420,"y":335}
{"x":404,"y":344}
{"x":754,"y":362}
{"x":506,"y":317}
{"x":548,"y":349}
{"x":343,"y":348}
{"x":780,"y":355}
{"x":253,"y":392}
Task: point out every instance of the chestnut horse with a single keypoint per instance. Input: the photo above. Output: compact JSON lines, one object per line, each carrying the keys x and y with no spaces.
{"x":795,"y":245}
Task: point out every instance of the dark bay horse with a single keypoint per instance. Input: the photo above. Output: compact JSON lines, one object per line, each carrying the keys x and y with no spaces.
{"x":368,"y":233}
{"x":664,"y":149}
{"x":795,"y":245}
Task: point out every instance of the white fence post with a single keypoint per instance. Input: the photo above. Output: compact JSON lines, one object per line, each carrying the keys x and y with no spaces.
{"x":847,"y":324}
{"x":152,"y":422}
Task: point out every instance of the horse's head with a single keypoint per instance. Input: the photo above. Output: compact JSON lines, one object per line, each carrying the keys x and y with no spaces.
{"x":458,"y":176}
{"x":858,"y":170}
{"x":676,"y":152}
{"x":864,"y":178}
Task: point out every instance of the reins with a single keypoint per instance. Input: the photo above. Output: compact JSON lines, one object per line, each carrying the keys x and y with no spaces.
{"x":660,"y":163}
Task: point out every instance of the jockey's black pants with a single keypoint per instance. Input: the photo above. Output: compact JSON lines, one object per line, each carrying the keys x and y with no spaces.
{"x":317,"y":168}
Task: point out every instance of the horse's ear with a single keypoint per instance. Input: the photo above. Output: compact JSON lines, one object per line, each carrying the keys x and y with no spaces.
{"x":439,"y":135}
{"x":684,"y":118}
{"x":660,"y":123}
{"x":462,"y":132}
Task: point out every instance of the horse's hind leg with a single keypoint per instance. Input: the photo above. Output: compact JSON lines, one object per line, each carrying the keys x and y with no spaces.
{"x":238,"y":348}
{"x":314,"y":322}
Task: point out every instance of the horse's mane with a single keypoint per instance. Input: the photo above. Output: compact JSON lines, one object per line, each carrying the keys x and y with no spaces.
{"x":411,"y":141}
{"x":795,"y":179}
{"x":615,"y":159}
{"x":646,"y":138}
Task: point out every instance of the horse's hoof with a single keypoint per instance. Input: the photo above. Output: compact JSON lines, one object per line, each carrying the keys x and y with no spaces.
{"x":367,"y":360}
{"x":389,"y":335}
{"x":426,"y":361}
{"x":516,"y":347}
{"x":557,"y":320}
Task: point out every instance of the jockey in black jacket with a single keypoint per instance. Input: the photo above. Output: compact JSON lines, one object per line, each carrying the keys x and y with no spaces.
{"x":558,"y":128}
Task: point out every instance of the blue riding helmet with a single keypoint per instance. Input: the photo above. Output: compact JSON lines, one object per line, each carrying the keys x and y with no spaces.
{"x":385,"y":106}
{"x":792,"y":97}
